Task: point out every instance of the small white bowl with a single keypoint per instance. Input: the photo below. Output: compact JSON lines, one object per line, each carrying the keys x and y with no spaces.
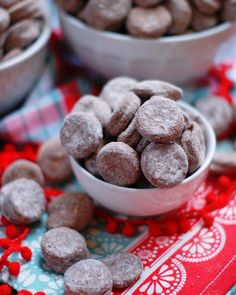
{"x":19,"y":74}
{"x":176,"y":59}
{"x":147,"y":202}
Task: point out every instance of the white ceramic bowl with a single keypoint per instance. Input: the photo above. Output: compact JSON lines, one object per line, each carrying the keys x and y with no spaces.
{"x":147,"y":202}
{"x":176,"y":59}
{"x":18,"y":75}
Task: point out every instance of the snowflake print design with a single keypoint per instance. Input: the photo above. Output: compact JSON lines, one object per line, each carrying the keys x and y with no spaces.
{"x":152,"y":248}
{"x":148,"y":256}
{"x":167,"y":279}
{"x":54,"y":285}
{"x":164,"y":241}
{"x":204,"y":246}
{"x":227,"y":215}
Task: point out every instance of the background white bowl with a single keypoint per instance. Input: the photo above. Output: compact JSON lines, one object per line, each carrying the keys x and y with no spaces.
{"x":18,"y":75}
{"x":147,"y":202}
{"x":176,"y":59}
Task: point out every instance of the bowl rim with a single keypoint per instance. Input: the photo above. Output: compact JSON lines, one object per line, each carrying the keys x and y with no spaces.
{"x":211,"y":145}
{"x":166,"y":39}
{"x":35,"y":46}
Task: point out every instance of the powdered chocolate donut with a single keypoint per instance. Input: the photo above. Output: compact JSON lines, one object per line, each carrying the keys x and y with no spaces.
{"x":202,"y":22}
{"x":105,"y":14}
{"x":23,"y":169}
{"x":23,"y":201}
{"x":92,"y":104}
{"x":22,"y":34}
{"x":62,"y":247}
{"x":71,"y":6}
{"x":54,"y":161}
{"x":125,"y":268}
{"x":147,"y":3}
{"x":123,"y":114}
{"x":208,"y":6}
{"x":193,"y":143}
{"x":91,"y":165}
{"x":118,"y":164}
{"x":229,"y":10}
{"x":7,"y":3}
{"x":114,"y":90}
{"x":148,"y":88}
{"x":90,"y":162}
{"x":160,"y":120}
{"x":130,"y":135}
{"x":25,"y":9}
{"x":218,"y":112}
{"x":81,"y":134}
{"x":88,"y":277}
{"x":71,"y":209}
{"x":164,"y":165}
{"x":187,"y":120}
{"x":143,"y":143}
{"x":4,"y":19}
{"x":181,"y":13}
{"x":148,"y":22}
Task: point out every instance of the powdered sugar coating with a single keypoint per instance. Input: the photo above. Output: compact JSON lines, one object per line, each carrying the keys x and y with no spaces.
{"x":91,"y":165}
{"x":208,"y":6}
{"x":105,"y":14}
{"x":71,"y":209}
{"x":229,"y":10}
{"x":118,"y":164}
{"x":23,"y":169}
{"x":90,"y":162}
{"x":62,"y":247}
{"x":89,"y":277}
{"x":123,"y":114}
{"x":81,"y":134}
{"x":23,"y":201}
{"x":143,"y":143}
{"x":54,"y":161}
{"x":218,"y":112}
{"x":130,"y":135}
{"x":193,"y":143}
{"x":181,"y":13}
{"x":148,"y":88}
{"x":22,"y":34}
{"x":164,"y":165}
{"x":94,"y":105}
{"x":114,"y":90}
{"x":160,"y":120}
{"x":4,"y":19}
{"x":125,"y":268}
{"x":202,"y":21}
{"x":187,"y":120}
{"x":148,"y":23}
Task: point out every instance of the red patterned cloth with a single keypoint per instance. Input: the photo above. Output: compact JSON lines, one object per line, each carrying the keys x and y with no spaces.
{"x":202,"y":261}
